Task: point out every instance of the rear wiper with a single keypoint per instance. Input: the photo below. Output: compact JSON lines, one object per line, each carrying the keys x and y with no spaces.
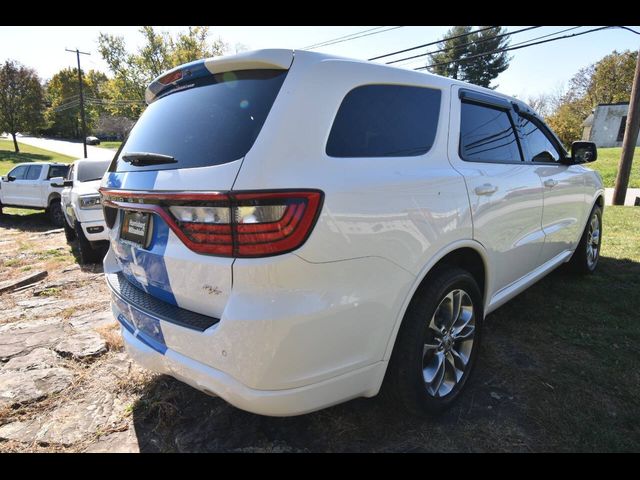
{"x":140,"y":159}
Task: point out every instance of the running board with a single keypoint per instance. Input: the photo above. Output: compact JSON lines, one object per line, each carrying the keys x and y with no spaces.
{"x":507,"y":293}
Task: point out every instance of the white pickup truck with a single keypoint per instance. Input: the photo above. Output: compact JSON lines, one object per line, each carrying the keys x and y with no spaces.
{"x":28,"y":185}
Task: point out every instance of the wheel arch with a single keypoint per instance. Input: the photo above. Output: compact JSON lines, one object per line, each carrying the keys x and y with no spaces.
{"x":53,"y":196}
{"x":467,"y":254}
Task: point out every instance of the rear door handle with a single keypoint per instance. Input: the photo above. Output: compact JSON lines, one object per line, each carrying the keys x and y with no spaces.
{"x":486,"y":189}
{"x":550,"y":183}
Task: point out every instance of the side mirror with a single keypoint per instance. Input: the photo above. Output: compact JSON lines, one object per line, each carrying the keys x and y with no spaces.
{"x":59,"y":182}
{"x":583,"y":152}
{"x":10,"y":178}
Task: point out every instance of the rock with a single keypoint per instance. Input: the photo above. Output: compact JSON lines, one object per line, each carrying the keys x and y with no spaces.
{"x":496,"y":396}
{"x":21,"y":337}
{"x":92,"y":320}
{"x":79,"y":419}
{"x":17,"y":387}
{"x":82,"y":345}
{"x":120,"y":442}
{"x":21,"y":282}
{"x":21,"y":431}
{"x":37,"y":359}
{"x":39,"y":302}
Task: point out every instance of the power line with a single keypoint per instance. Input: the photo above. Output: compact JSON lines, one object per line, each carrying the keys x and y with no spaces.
{"x":524,"y":41}
{"x":514,"y":47}
{"x":340,"y":38}
{"x":432,"y":43}
{"x":359,"y":36}
{"x":630,"y":29}
{"x":463,"y":45}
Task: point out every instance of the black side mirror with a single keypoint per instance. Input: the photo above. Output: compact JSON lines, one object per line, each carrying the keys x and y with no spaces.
{"x":10,"y":178}
{"x":583,"y":152}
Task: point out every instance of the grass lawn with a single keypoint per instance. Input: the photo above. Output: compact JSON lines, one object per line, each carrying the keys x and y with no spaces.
{"x":9,"y":159}
{"x":607,"y":166}
{"x":574,"y":346}
{"x":111,"y":145}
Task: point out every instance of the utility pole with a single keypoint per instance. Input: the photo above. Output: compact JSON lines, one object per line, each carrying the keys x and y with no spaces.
{"x":84,"y":123}
{"x":630,"y":139}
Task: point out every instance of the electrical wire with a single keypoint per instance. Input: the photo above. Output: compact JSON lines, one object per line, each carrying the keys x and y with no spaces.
{"x":463,"y":45}
{"x":513,"y":47}
{"x":432,"y":43}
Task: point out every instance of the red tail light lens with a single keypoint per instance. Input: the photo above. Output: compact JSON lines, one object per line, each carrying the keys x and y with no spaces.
{"x":238,"y":224}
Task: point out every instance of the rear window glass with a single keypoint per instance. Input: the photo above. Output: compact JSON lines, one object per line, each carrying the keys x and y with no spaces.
{"x":92,"y":170}
{"x":385,"y":121}
{"x":57,"y":171}
{"x":209,"y":121}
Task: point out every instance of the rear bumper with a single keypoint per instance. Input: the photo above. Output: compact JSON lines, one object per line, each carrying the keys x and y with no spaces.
{"x":289,"y":402}
{"x":293,"y":337}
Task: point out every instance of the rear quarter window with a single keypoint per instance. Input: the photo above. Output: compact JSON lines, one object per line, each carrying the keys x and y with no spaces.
{"x":385,"y":121}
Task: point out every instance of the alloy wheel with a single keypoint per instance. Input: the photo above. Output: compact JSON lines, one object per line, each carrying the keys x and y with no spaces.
{"x":593,"y":241}
{"x":448,"y":343}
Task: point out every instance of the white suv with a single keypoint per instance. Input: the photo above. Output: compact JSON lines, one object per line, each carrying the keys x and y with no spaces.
{"x":84,"y":220}
{"x":288,"y":228}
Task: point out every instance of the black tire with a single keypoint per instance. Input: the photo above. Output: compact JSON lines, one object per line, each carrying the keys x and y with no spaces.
{"x":69,"y":233}
{"x":86,"y":253}
{"x":56,"y":215}
{"x":405,"y":382}
{"x":582,"y":262}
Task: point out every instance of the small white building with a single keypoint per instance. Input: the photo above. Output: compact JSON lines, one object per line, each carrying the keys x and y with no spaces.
{"x":606,"y":124}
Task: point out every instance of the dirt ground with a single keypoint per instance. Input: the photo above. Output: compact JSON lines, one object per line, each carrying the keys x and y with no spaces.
{"x":67,"y":385}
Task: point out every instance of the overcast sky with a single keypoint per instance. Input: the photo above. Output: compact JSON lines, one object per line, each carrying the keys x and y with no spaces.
{"x":533,"y":70}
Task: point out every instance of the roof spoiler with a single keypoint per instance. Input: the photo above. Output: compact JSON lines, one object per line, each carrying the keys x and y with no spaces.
{"x":278,"y":59}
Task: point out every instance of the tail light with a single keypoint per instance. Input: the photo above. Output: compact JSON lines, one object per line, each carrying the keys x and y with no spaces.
{"x":233,"y":224}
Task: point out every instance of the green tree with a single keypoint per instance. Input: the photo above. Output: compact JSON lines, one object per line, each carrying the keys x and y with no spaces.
{"x":607,"y":81}
{"x":21,"y":100}
{"x":489,"y":61}
{"x":448,"y":62}
{"x":63,"y":94}
{"x":132,"y":72}
{"x":474,"y":58}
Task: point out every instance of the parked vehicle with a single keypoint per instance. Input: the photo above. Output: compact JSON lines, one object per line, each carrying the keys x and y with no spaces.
{"x":28,"y":185}
{"x":288,"y":230}
{"x":93,"y":141}
{"x":82,"y":209}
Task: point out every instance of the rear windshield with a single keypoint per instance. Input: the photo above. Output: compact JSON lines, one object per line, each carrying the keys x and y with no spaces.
{"x":92,"y":170}
{"x":207,"y":122}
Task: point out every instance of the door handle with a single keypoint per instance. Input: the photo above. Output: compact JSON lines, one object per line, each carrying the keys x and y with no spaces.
{"x":486,"y":189}
{"x":550,"y":183}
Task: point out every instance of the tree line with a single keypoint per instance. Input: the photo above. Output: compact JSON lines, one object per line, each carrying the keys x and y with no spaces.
{"x":29,"y":105}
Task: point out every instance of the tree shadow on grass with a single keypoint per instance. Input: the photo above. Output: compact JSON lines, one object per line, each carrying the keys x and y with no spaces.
{"x":526,"y":394}
{"x":21,"y":157}
{"x":32,"y":221}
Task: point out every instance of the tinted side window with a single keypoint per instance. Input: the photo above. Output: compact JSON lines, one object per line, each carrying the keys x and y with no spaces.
{"x":385,"y":121}
{"x":34,"y":172}
{"x":57,"y":171}
{"x":19,"y":172}
{"x":486,"y":135}
{"x":540,"y":148}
